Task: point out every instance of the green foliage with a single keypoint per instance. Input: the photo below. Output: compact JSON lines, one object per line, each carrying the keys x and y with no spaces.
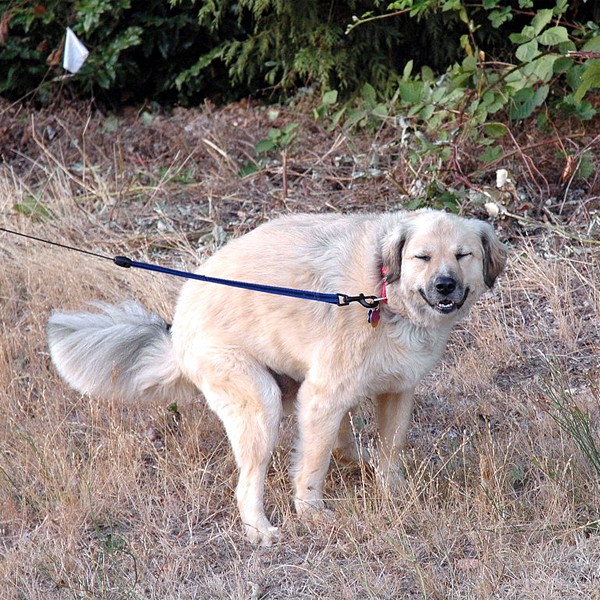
{"x":366,"y":109}
{"x":476,"y":89}
{"x":184,"y":50}
{"x":136,"y":48}
{"x":278,"y":46}
{"x":465,"y":105}
{"x":278,"y":139}
{"x":32,"y":207}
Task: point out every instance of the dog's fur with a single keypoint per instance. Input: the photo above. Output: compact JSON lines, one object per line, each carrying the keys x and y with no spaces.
{"x":242,"y":348}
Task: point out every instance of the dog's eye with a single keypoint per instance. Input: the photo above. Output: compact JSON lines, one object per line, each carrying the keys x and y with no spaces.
{"x":462,"y":255}
{"x":423,"y":257}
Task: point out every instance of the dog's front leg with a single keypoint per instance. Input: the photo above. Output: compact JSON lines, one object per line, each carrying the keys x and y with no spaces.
{"x":393,"y":417}
{"x":319,"y":417}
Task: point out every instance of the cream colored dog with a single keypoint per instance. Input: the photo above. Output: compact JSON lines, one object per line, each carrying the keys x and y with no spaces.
{"x":241,"y":348}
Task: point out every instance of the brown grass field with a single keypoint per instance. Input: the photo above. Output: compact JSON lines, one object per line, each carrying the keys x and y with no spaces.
{"x":102,"y":500}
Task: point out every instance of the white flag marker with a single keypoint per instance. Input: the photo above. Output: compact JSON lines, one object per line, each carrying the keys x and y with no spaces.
{"x":75,"y":52}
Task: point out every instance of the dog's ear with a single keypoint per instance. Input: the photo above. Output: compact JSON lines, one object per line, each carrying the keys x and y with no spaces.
{"x":494,"y":254}
{"x":391,"y":253}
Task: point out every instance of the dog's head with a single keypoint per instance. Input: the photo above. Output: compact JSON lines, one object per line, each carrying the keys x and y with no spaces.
{"x":438,"y":264}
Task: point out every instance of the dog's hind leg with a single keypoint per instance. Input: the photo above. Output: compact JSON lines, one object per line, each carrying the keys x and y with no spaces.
{"x":247,"y":399}
{"x":393,"y":416}
{"x":347,"y":445}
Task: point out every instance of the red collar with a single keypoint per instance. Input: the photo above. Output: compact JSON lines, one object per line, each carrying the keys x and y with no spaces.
{"x":384,"y":285}
{"x":374,"y":313}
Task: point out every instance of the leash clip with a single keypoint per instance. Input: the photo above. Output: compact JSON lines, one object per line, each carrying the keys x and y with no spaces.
{"x":366,"y":301}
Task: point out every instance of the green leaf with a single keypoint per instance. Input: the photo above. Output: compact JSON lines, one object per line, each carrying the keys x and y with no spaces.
{"x":565,"y":47}
{"x":489,"y":4}
{"x":561,"y":6}
{"x":525,"y":101}
{"x":519,"y":38}
{"x":493,"y":101}
{"x":541,"y":19}
{"x":248,"y":169}
{"x":290,"y":128}
{"x":147,"y":118}
{"x":336,"y":118}
{"x":553,"y":36}
{"x":574,"y":76}
{"x":585,"y":111}
{"x":427,"y":112}
{"x":587,"y":165}
{"x":592,"y":45}
{"x":527,"y":52}
{"x":540,"y":95}
{"x":31,"y":207}
{"x":264,"y":146}
{"x":589,"y":79}
{"x":543,"y":67}
{"x":501,"y":16}
{"x":369,"y":94}
{"x":562,"y":64}
{"x":411,"y":91}
{"x":528,"y":32}
{"x":330,"y":97}
{"x":356,"y":117}
{"x":427,"y":73}
{"x":274,"y":134}
{"x":495,"y":130}
{"x":380,"y":111}
{"x":491,"y":153}
{"x":470,"y":64}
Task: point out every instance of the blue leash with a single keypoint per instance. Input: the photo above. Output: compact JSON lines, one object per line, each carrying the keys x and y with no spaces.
{"x":338,"y":299}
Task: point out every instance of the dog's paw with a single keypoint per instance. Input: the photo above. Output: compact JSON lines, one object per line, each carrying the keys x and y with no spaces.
{"x":264,"y":536}
{"x":322,"y":516}
{"x":262,"y":533}
{"x":313,"y":511}
{"x":391,"y":480}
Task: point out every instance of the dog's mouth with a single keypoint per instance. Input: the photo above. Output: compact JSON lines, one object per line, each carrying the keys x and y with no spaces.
{"x":445,"y":306}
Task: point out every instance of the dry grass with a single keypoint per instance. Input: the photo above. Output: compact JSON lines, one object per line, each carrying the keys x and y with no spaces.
{"x":101,"y":500}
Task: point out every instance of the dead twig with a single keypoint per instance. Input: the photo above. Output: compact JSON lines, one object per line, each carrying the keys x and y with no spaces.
{"x":553,"y":228}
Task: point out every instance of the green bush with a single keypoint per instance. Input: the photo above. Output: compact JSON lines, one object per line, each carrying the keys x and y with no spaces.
{"x":534,"y":61}
{"x":137,"y":48}
{"x":495,"y":54}
{"x":276,"y":46}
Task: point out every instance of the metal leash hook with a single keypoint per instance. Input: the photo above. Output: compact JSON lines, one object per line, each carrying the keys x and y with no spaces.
{"x":366,"y":301}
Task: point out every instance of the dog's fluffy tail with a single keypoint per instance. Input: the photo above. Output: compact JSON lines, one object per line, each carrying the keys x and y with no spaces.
{"x":121,"y":351}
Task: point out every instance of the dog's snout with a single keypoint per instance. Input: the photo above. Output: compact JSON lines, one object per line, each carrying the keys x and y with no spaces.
{"x":445,"y":285}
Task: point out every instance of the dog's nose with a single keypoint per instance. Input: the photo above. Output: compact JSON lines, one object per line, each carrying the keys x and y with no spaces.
{"x":445,"y":285}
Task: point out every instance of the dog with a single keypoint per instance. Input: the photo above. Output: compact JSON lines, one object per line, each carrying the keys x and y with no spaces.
{"x":247,"y":352}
